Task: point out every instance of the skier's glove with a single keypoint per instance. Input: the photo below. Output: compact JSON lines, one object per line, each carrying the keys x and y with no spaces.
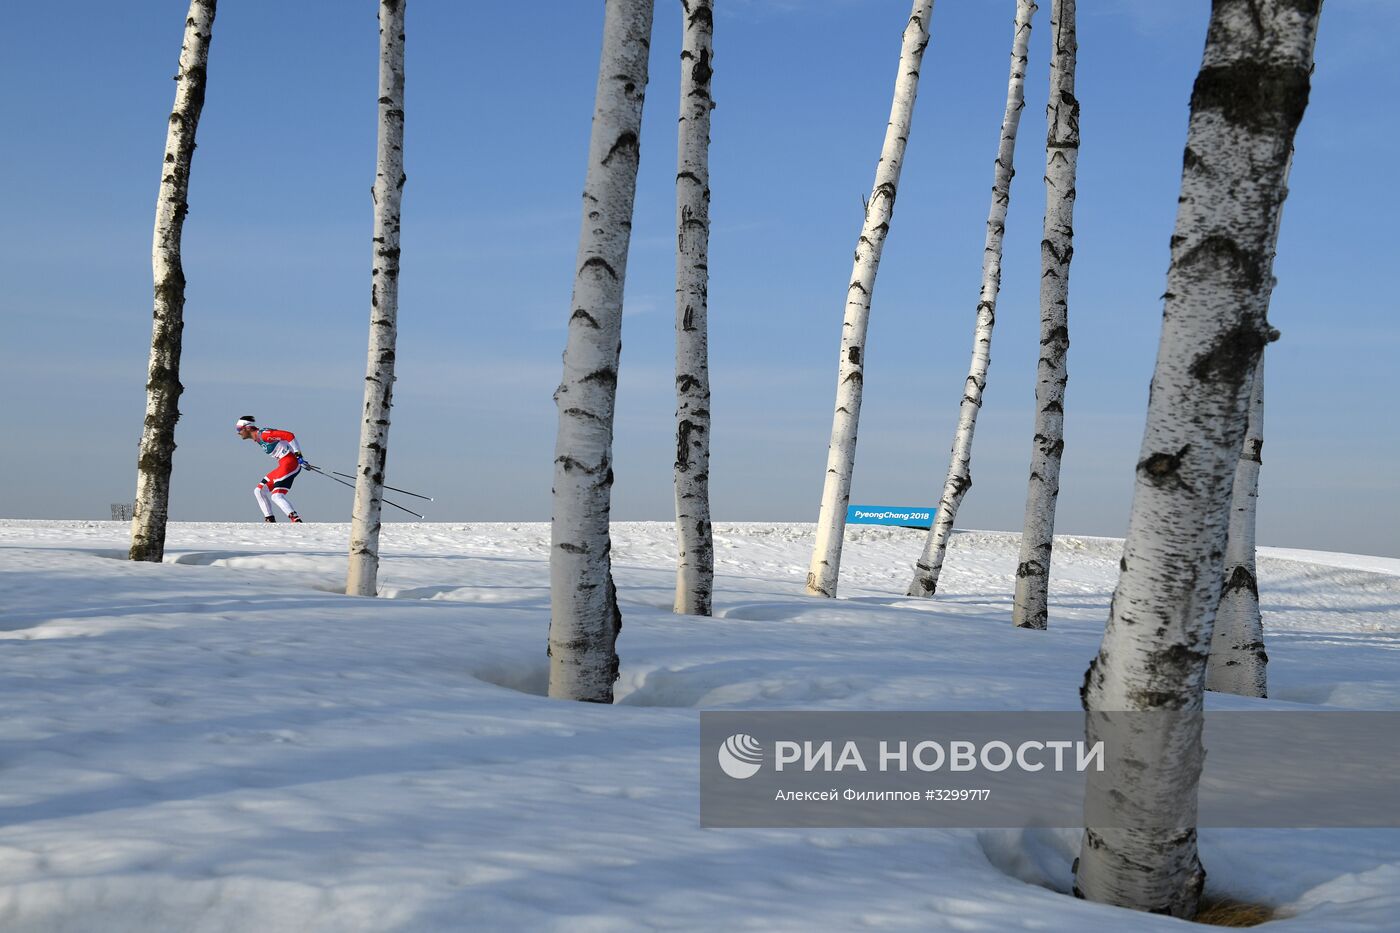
{"x":301,"y":461}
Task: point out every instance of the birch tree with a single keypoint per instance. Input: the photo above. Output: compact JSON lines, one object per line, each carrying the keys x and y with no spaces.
{"x":1238,"y":662}
{"x":584,"y":615}
{"x":841,"y":453}
{"x":1246,"y":105}
{"x":1031,"y":606}
{"x":695,"y":562}
{"x":959,"y":481}
{"x":163,"y":388}
{"x":387,"y":195}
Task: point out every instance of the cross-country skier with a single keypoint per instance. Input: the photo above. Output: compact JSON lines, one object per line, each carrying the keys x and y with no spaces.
{"x":281,"y":446}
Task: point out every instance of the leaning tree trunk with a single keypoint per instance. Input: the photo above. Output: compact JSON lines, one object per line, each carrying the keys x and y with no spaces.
{"x":584,"y":616}
{"x":1245,"y":107}
{"x":1031,"y":606}
{"x":695,"y":562}
{"x":387,"y":194}
{"x":841,"y":454}
{"x":959,"y":480}
{"x":1238,"y":662}
{"x":153,"y":464}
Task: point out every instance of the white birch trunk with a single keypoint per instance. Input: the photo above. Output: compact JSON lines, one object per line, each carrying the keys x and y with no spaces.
{"x":387,"y":193}
{"x":1238,"y":662}
{"x":695,"y":561}
{"x":959,"y":481}
{"x":584,"y":616}
{"x":1031,"y":606}
{"x":163,"y":387}
{"x":1245,"y":108}
{"x":841,"y":454}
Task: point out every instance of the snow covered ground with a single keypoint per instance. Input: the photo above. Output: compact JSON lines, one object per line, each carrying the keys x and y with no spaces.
{"x":225,"y":743}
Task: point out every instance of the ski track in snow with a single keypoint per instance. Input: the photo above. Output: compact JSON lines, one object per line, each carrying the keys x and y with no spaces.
{"x":224,"y":742}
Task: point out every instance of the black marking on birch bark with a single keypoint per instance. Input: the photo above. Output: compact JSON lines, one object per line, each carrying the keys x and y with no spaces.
{"x":581,"y":413}
{"x":627,"y":142}
{"x":1253,"y":450}
{"x":570,"y":464}
{"x":702,"y":72}
{"x":1232,"y":358}
{"x":1176,"y":664}
{"x":1249,"y":266}
{"x":855,"y":377}
{"x":688,"y":319}
{"x":1093,"y":675}
{"x":1063,"y":258}
{"x":1241,"y":579}
{"x":598,"y":262}
{"x":165,"y":379}
{"x":582,"y":315}
{"x":685,"y":382}
{"x":683,"y":445}
{"x":1050,"y":448}
{"x":1160,"y":469}
{"x":573,"y":548}
{"x":702,"y":12}
{"x":1030,"y":568}
{"x":1258,"y":96}
{"x":1191,"y":161}
{"x":854,"y":355}
{"x":859,"y":286}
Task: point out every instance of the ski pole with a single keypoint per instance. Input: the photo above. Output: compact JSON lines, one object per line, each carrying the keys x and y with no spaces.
{"x":352,"y":486}
{"x":394,"y":488}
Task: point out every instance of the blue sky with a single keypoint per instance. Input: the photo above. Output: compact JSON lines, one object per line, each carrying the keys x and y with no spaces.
{"x":499,"y":98}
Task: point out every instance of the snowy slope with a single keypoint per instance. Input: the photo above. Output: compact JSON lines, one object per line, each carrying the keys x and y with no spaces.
{"x":225,"y":743}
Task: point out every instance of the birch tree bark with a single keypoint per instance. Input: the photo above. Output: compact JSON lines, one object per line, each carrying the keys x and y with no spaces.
{"x":163,"y":388}
{"x":841,"y":454}
{"x":695,"y":562}
{"x":1238,"y":662}
{"x":1031,"y":606}
{"x":1245,"y":107}
{"x":959,"y":481}
{"x":387,"y":194}
{"x":584,"y":616}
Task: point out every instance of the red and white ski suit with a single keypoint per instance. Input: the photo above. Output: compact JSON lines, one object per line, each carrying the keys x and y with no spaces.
{"x":282,"y":446}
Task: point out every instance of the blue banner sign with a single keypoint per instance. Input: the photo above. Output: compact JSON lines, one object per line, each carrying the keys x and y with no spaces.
{"x":902,"y":515}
